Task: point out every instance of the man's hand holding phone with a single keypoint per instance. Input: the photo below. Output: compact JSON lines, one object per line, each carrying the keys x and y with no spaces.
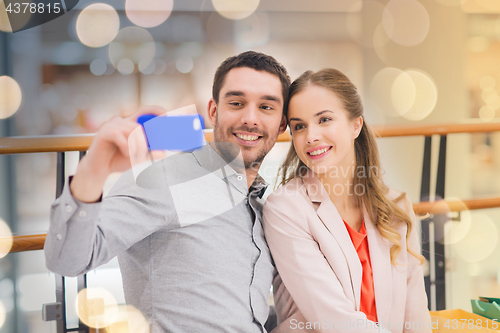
{"x":108,"y":153}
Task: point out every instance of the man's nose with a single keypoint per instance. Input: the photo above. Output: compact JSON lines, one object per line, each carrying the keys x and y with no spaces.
{"x":250,"y":116}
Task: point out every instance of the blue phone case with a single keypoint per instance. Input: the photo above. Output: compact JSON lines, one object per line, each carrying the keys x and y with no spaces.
{"x":178,"y":133}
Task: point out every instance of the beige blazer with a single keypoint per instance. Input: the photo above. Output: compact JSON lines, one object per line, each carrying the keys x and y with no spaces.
{"x":319,"y":280}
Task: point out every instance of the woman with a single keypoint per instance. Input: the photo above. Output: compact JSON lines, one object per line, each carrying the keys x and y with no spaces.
{"x":345,"y":246}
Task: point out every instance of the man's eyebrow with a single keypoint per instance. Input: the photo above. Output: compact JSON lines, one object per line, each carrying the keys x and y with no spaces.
{"x":234,"y":93}
{"x":271,"y":98}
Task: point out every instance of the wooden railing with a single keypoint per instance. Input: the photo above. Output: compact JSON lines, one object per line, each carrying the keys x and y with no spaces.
{"x":35,"y":242}
{"x":81,"y":142}
{"x":18,"y":145}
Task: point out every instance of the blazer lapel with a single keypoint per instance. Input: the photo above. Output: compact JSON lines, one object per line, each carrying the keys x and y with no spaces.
{"x":380,"y":257}
{"x":328,"y":214}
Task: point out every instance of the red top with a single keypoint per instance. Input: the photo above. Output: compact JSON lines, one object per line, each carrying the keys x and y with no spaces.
{"x":360,"y":242}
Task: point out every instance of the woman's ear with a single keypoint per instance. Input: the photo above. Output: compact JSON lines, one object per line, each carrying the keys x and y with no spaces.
{"x":212,"y":111}
{"x":357,"y":126}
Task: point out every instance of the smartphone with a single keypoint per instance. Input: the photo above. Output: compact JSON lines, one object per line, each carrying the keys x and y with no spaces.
{"x":176,"y":132}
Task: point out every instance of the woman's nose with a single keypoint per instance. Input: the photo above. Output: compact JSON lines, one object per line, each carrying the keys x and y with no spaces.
{"x":312,"y":136}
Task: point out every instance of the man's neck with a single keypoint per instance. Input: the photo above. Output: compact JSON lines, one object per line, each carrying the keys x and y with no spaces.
{"x":251,"y":174}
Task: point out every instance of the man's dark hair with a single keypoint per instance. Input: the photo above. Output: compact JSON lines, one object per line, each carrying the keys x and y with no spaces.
{"x":255,"y":60}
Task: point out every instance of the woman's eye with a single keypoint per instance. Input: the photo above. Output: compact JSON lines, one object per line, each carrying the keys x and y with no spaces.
{"x":323,"y":120}
{"x":298,"y":127}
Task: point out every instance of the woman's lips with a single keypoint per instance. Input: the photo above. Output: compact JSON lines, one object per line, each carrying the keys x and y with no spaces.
{"x":315,"y":157}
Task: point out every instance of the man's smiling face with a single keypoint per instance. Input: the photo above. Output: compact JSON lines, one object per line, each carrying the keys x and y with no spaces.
{"x":249,"y":113}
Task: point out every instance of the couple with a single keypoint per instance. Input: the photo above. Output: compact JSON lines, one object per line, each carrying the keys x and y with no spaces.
{"x":331,"y":224}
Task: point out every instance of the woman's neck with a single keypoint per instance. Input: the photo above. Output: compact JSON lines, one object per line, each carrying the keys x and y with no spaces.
{"x":339,"y":184}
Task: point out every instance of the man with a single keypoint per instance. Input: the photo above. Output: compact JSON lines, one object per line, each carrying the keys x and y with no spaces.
{"x":198,"y":271}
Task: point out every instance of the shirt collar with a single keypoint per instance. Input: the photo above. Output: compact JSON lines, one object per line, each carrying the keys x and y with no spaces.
{"x":259,"y":186}
{"x":357,"y":238}
{"x":211,"y":160}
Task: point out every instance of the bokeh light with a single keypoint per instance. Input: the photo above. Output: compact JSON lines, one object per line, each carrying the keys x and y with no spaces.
{"x":489,"y":96}
{"x":3,"y":314}
{"x":235,"y":9}
{"x":97,"y":25}
{"x":96,"y":307}
{"x":480,"y":241}
{"x":411,"y":94}
{"x":381,"y":90}
{"x":403,"y":93}
{"x":148,"y":13}
{"x":98,"y":67}
{"x":184,"y":64}
{"x":487,"y":82}
{"x":10,"y":96}
{"x":425,"y":96}
{"x":6,"y":239}
{"x":125,"y":66}
{"x":486,"y":113}
{"x":132,"y":43}
{"x":129,"y":320}
{"x":406,"y":22}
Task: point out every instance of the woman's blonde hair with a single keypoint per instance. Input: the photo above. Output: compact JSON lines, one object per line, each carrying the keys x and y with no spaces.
{"x":381,"y":209}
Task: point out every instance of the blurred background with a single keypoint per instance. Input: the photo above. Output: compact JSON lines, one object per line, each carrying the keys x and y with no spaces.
{"x":414,"y":62}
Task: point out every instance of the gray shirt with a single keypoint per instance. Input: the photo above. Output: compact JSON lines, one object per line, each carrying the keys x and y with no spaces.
{"x":189,"y":242}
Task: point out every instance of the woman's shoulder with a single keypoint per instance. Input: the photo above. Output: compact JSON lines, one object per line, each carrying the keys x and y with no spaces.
{"x":287,"y":205}
{"x":290,"y":192}
{"x":288,"y":198}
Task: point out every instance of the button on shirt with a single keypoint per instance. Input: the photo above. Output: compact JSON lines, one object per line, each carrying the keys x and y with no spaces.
{"x":189,"y":241}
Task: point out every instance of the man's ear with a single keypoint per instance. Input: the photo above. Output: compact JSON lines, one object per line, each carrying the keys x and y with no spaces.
{"x":212,"y":111}
{"x":358,"y":125}
{"x":283,"y":125}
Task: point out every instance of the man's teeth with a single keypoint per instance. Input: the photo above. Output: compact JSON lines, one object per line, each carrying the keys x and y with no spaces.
{"x":247,"y":137}
{"x":317,"y":152}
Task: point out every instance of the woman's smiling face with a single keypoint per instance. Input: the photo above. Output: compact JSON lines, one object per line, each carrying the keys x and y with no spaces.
{"x":323,"y":135}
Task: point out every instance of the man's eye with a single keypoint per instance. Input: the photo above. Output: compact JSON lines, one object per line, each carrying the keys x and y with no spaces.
{"x":235,"y":103}
{"x":267,"y":107}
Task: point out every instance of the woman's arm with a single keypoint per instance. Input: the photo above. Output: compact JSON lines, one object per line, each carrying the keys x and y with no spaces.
{"x":305,"y":272}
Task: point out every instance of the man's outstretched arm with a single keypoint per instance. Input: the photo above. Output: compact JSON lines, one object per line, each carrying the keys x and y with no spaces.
{"x":85,"y":233}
